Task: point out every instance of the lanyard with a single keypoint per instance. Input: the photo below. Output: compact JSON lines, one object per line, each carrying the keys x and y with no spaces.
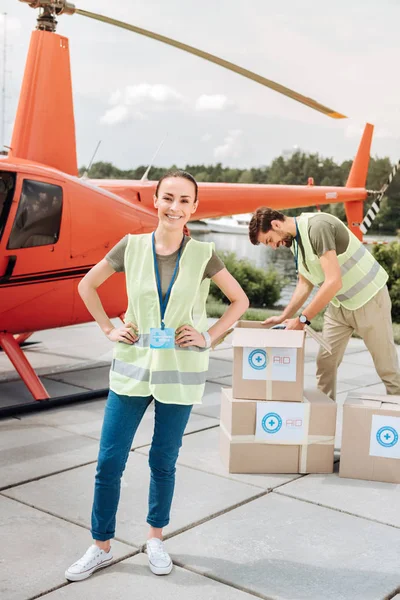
{"x":296,"y":252}
{"x":164,"y":303}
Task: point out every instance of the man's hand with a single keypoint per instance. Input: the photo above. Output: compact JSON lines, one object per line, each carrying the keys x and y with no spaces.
{"x":277,"y":320}
{"x":293,"y":324}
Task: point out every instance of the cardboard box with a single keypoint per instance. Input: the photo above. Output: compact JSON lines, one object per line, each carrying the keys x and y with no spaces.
{"x":371,"y":438}
{"x":268,"y":364}
{"x":243,"y":452}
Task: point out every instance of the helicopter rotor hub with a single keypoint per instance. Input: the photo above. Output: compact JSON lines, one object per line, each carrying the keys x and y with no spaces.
{"x":49,"y":10}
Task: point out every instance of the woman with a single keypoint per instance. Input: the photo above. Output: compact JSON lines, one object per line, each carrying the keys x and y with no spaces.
{"x":161,"y":354}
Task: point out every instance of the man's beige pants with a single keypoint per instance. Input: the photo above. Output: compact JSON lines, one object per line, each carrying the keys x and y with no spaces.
{"x":373,"y":323}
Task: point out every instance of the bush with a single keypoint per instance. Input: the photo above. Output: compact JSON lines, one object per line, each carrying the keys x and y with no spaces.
{"x":389,"y":257}
{"x":263,"y":288}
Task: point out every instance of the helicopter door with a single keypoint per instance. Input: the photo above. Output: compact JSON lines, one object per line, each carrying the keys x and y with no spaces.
{"x":7,"y":187}
{"x":38,"y":244}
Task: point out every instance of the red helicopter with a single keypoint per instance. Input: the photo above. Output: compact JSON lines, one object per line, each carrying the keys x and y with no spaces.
{"x":54,"y":226}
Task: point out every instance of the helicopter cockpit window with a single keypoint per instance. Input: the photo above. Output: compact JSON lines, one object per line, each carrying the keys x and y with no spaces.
{"x":7,"y":184}
{"x":38,"y":218}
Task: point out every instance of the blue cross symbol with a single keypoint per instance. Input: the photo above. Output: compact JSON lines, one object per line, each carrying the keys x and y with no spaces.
{"x":259,"y":359}
{"x":271,"y":422}
{"x":387,"y":436}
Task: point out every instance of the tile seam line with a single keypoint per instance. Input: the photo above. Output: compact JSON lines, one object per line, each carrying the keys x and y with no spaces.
{"x":220,"y":580}
{"x":67,"y":583}
{"x":91,"y":462}
{"x":141,"y":547}
{"x":268,"y":489}
{"x":345,"y":512}
{"x":392,"y":594}
{"x":138,"y":548}
{"x":217,"y":514}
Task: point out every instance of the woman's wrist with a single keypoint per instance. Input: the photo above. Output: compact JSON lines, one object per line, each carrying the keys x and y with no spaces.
{"x":107,"y":330}
{"x":207,"y":338}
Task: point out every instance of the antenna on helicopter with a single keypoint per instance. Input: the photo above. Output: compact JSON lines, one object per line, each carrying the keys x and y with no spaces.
{"x":86,"y":173}
{"x":145,"y":174}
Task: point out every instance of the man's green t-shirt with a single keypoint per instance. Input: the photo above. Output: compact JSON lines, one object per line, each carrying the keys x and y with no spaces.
{"x":326,"y":233}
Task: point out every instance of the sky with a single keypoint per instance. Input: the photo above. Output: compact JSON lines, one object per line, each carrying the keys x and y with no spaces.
{"x":132,"y":93}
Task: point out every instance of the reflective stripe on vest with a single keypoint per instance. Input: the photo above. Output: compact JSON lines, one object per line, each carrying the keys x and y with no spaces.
{"x":175,"y":375}
{"x":362,"y":276}
{"x":134,"y":372}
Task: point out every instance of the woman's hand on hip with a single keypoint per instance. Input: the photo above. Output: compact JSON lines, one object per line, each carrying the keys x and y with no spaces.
{"x":127,"y":334}
{"x":189,"y":336}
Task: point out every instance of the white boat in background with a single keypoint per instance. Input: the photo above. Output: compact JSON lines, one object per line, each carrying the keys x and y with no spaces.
{"x":234,"y":224}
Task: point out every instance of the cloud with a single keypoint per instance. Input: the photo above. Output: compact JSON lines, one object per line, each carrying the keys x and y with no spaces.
{"x":159,"y":94}
{"x":215,"y":102}
{"x":206,"y":137}
{"x":136,"y":101}
{"x":231,"y":147}
{"x":115,"y":115}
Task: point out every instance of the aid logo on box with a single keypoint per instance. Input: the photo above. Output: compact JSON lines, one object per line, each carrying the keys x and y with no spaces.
{"x":384,"y":440}
{"x":271,"y":423}
{"x":284,"y":364}
{"x":255,"y":361}
{"x":275,"y":364}
{"x":282,"y":422}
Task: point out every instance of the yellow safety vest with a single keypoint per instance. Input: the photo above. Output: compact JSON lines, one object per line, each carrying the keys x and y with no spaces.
{"x":176,"y":375}
{"x":362,"y":275}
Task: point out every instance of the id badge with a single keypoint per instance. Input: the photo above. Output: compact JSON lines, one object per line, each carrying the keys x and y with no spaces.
{"x":162,"y":339}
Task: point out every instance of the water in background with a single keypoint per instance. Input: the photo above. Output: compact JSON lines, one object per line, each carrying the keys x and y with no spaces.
{"x":262,"y":256}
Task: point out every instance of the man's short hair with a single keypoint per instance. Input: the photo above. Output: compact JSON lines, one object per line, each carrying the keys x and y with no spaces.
{"x":261,"y":222}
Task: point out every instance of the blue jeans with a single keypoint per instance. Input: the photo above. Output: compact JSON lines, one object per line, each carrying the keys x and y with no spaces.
{"x":121,"y":419}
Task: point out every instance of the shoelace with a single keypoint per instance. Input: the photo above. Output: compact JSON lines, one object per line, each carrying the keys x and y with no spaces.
{"x":158,"y":551}
{"x":86,"y":560}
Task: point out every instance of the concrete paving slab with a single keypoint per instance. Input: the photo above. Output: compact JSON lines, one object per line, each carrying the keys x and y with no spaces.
{"x":218,"y":369}
{"x":198,"y":495}
{"x":310,"y":381}
{"x":15,"y":392}
{"x":38,"y":549}
{"x":222,"y":381}
{"x":212,"y":411}
{"x":370,"y":499}
{"x":91,"y":379}
{"x":223,"y":353}
{"x":86,"y":418}
{"x":290,"y":549}
{"x":359,"y":358}
{"x":201,"y":451}
{"x":131,"y":579}
{"x":30,"y":451}
{"x":211,"y":405}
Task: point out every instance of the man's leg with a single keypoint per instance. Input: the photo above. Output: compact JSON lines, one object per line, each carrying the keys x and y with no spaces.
{"x":374,"y":325}
{"x":337,"y":332}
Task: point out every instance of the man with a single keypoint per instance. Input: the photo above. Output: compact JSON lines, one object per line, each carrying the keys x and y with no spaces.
{"x":351,"y":282}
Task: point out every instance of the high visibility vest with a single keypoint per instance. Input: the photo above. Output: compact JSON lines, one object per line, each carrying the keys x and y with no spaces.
{"x":176,"y":375}
{"x":362,"y":276}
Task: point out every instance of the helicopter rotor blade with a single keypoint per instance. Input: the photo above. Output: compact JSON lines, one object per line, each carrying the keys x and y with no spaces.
{"x":277,"y":87}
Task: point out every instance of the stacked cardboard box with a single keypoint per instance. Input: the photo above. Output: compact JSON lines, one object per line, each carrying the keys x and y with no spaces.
{"x":371,"y":438}
{"x":269,"y":424}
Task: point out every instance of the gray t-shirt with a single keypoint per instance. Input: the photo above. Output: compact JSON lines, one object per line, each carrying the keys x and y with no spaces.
{"x":166,"y":264}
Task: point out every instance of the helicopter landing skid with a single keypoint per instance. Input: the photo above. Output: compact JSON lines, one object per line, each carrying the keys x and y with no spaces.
{"x":25,"y":370}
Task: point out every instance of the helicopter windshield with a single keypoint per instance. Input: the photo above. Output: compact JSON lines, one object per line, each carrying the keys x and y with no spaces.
{"x":38,"y":219}
{"x":7,"y":185}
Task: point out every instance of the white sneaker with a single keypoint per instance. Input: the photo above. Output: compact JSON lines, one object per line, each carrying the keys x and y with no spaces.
{"x":93,"y":559}
{"x":160,"y":562}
